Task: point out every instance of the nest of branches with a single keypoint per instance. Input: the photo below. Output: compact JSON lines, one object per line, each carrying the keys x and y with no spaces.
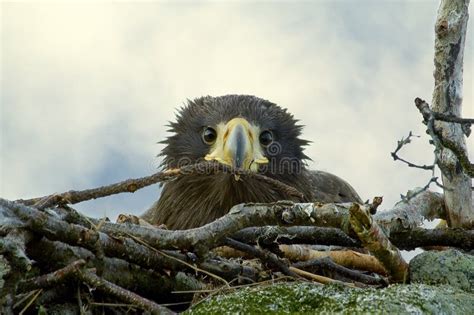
{"x":54,"y":258}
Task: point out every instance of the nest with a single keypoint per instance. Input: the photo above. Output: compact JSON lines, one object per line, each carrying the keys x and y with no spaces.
{"x":56,"y":258}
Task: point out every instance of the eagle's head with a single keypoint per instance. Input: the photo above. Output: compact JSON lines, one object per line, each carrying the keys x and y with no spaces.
{"x":242,"y":131}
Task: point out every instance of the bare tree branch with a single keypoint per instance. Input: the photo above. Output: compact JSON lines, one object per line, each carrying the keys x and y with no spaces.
{"x":400,"y":144}
{"x":450,"y":37}
{"x":404,"y":238}
{"x":265,"y":256}
{"x":53,"y":278}
{"x":409,"y":214}
{"x":346,"y":258}
{"x":456,"y":148}
{"x":454,"y":119}
{"x":431,"y":167}
{"x":111,"y":289}
{"x":327,"y":267}
{"x":132,"y":185}
{"x":418,"y":237}
{"x":318,"y":278}
{"x":374,"y":239}
{"x":295,"y":235}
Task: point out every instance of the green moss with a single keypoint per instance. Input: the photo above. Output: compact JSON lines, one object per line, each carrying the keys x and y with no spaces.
{"x":4,"y":270}
{"x":445,"y":267}
{"x":309,"y":298}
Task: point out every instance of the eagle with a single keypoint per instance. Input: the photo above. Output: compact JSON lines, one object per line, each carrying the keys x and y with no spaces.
{"x":246,"y":133}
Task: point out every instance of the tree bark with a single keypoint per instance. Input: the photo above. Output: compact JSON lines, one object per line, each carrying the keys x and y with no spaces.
{"x":450,"y":31}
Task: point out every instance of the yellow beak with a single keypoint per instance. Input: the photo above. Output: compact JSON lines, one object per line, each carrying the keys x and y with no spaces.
{"x":237,"y":145}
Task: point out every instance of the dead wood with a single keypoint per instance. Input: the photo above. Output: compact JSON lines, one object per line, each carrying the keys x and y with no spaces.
{"x":132,"y":185}
{"x":346,"y":258}
{"x":114,"y":290}
{"x":147,"y":282}
{"x":51,"y":279}
{"x":419,"y":237}
{"x":408,"y":214}
{"x":318,"y":278}
{"x":448,"y":137}
{"x":327,"y":267}
{"x":142,"y":264}
{"x":265,"y":256}
{"x":295,"y":235}
{"x":374,"y":239}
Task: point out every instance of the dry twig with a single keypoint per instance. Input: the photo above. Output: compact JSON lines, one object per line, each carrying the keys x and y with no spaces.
{"x":318,"y":278}
{"x":400,"y":144}
{"x":265,"y":256}
{"x":132,"y":185}
{"x":327,"y":267}
{"x":51,"y":279}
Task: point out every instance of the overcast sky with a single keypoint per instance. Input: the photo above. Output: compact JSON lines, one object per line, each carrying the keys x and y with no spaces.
{"x":86,"y":89}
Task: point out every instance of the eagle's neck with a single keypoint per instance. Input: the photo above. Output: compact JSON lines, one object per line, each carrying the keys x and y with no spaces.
{"x":196,"y":200}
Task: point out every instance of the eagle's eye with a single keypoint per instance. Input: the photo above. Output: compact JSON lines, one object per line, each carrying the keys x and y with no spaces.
{"x":209,"y":135}
{"x":266,"y":138}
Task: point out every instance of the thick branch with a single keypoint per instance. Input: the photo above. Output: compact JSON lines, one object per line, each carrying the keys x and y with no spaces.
{"x":443,"y":142}
{"x":346,"y":258}
{"x":240,"y":216}
{"x":295,"y":235}
{"x":409,"y":214}
{"x":453,"y":119}
{"x":405,"y":238}
{"x":51,"y":279}
{"x":373,"y":239}
{"x":12,"y":247}
{"x":109,"y":288}
{"x":418,"y":237}
{"x":450,"y":31}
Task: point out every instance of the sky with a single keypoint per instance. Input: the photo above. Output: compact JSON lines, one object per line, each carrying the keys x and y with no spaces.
{"x":87,"y":88}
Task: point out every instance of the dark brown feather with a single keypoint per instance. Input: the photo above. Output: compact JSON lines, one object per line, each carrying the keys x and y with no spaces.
{"x":195,"y":200}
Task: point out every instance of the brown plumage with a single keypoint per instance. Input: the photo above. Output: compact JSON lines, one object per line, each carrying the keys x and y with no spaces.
{"x":245,"y":132}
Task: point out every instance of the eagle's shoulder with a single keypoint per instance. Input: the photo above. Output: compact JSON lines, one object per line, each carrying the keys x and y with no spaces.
{"x":327,"y":187}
